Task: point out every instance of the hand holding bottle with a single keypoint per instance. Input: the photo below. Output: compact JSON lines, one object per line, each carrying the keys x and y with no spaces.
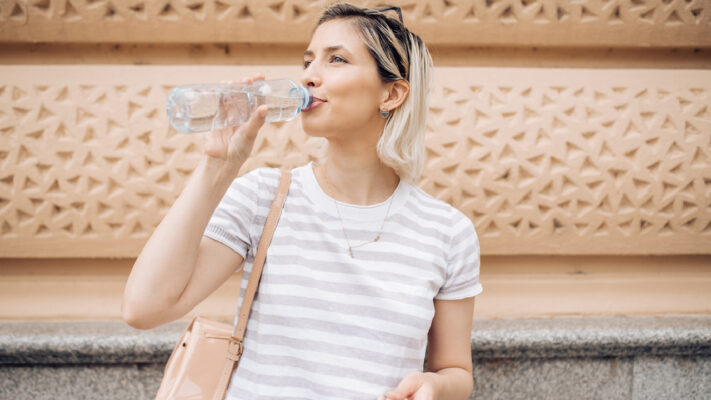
{"x":233,"y":144}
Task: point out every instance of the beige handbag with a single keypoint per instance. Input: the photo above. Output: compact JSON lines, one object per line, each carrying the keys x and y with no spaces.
{"x":202,"y":362}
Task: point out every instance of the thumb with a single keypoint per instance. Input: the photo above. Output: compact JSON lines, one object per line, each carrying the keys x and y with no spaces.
{"x":406,"y":388}
{"x":255,"y":121}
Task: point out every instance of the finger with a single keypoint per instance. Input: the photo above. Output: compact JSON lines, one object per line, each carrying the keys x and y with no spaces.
{"x":255,"y":121}
{"x":261,"y":113}
{"x":406,"y":388}
{"x":259,"y":76}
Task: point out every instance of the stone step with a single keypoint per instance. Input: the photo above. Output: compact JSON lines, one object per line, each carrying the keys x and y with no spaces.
{"x":560,"y":358}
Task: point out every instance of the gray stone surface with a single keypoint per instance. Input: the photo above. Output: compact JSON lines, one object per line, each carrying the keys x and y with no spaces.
{"x":81,"y":381}
{"x":553,"y":379}
{"x":562,"y":358}
{"x":672,"y":378}
{"x":116,"y":342}
{"x":100,"y":342}
{"x":591,"y":337}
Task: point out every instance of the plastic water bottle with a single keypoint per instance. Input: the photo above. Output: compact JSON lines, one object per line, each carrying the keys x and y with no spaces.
{"x":205,"y":107}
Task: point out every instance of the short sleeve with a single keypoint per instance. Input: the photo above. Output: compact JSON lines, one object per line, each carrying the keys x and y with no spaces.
{"x":463,"y":262}
{"x":232,"y":220}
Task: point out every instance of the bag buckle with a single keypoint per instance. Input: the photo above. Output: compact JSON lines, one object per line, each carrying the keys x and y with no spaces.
{"x":234,"y":349}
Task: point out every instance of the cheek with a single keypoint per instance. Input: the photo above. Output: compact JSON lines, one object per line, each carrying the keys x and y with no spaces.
{"x":356,"y":100}
{"x":357,"y":106}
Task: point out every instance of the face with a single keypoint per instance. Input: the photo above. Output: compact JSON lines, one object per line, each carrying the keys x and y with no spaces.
{"x":343,"y":78}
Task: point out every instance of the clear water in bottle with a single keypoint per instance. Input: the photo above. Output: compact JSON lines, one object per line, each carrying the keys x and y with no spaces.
{"x":204,"y":107}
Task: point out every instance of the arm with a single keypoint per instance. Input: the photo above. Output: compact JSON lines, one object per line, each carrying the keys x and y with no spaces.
{"x":449,"y":359}
{"x":178,"y":267}
{"x":450,"y":355}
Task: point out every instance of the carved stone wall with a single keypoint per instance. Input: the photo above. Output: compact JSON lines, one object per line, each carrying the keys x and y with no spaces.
{"x":544,"y":161}
{"x":631,"y":23}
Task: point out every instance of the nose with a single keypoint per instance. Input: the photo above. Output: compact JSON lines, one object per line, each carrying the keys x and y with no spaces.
{"x":310,"y":77}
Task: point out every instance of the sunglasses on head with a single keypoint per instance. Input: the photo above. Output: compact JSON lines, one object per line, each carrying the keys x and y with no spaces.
{"x":383,"y":10}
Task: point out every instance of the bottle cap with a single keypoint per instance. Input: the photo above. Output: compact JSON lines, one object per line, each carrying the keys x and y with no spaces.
{"x":305,"y":94}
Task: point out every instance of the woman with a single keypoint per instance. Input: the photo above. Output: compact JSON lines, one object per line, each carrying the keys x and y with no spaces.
{"x":365,"y":271}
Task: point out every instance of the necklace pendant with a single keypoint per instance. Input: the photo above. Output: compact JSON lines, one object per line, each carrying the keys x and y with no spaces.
{"x":350,"y":250}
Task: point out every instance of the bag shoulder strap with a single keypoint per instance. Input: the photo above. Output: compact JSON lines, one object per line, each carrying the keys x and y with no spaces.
{"x":264,"y":241}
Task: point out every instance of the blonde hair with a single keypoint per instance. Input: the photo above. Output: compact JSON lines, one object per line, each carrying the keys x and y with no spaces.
{"x":399,"y":54}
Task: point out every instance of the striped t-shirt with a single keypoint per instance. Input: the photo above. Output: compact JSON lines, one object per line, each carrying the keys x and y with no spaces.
{"x":327,"y":326}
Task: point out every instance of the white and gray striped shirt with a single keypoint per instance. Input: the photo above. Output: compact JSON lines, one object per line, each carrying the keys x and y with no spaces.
{"x":327,"y":326}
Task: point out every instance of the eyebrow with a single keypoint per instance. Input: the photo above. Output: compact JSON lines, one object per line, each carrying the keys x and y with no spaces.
{"x":329,"y":49}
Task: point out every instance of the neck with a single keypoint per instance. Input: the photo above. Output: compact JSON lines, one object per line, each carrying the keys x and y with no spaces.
{"x":353,"y":174}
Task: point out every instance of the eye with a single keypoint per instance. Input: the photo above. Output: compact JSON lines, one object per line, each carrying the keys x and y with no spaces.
{"x":306,"y":64}
{"x":338,"y":59}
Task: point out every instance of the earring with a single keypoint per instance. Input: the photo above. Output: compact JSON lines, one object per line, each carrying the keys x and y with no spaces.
{"x":384,"y":113}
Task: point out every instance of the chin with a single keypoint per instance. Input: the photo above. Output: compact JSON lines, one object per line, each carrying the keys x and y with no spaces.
{"x":313,"y":129}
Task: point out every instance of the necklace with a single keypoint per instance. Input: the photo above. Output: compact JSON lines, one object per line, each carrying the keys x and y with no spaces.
{"x":340,"y":218}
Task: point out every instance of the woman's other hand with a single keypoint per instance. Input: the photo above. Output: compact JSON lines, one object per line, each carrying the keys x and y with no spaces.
{"x":415,"y":386}
{"x":233,"y":145}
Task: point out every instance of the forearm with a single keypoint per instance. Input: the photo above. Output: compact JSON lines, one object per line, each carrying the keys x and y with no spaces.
{"x":453,"y":384}
{"x":165,"y":265}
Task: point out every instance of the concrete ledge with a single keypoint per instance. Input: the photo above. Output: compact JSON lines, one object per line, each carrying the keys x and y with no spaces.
{"x":593,"y":358}
{"x":114,"y":342}
{"x":99,"y":342}
{"x":592,"y":337}
{"x":562,"y":358}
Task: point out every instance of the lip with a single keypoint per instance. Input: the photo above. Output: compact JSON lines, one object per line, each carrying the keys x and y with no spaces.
{"x":315,"y":103}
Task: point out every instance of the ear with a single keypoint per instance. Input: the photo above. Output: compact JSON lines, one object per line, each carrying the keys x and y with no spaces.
{"x":397,"y":92}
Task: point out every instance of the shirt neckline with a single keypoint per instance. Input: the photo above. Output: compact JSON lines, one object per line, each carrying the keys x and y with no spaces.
{"x":349,"y":211}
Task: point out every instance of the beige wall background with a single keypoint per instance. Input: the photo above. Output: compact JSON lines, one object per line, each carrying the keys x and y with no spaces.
{"x":575,"y":134}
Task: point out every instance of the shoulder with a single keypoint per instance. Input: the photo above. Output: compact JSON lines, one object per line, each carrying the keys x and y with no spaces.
{"x":455,"y":226}
{"x":444,"y":210}
{"x":265,"y":180}
{"x":259,"y":178}
{"x":259,"y":174}
{"x":251,"y":185}
{"x":270,"y":173}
